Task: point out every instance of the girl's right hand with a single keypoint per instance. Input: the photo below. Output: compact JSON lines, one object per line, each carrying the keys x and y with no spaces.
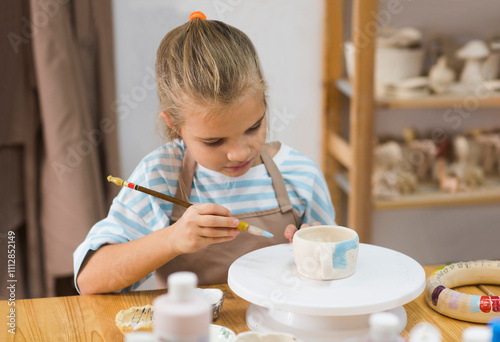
{"x":202,"y":225}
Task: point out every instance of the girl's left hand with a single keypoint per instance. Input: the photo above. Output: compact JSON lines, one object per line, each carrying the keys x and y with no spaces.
{"x":291,"y":229}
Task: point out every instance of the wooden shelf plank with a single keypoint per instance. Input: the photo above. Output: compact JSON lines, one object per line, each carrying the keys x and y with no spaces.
{"x":340,"y":149}
{"x":432,"y":101}
{"x":439,"y":101}
{"x":430,"y":196}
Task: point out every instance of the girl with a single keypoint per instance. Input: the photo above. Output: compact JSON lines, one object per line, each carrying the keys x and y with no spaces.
{"x":213,"y":105}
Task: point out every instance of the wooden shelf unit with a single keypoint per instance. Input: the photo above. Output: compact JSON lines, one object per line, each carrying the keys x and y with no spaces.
{"x":430,"y":197}
{"x":348,"y":165}
{"x":431,"y":101}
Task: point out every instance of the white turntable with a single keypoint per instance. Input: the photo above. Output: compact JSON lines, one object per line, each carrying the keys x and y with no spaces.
{"x":314,"y":310}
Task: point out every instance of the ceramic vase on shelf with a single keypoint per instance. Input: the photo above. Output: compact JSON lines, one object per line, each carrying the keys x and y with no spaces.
{"x":398,"y":55}
{"x":441,"y":77}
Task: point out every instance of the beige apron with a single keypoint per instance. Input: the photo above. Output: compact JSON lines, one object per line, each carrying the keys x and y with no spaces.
{"x":212,"y":262}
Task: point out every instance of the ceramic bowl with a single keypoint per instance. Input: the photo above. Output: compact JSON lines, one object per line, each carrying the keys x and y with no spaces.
{"x":250,"y":336}
{"x":216,"y":298}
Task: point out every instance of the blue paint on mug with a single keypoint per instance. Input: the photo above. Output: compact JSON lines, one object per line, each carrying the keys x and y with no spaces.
{"x":339,"y":256}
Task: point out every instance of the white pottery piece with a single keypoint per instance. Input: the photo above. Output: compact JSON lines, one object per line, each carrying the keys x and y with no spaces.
{"x":410,"y":88}
{"x":441,"y":77}
{"x":387,"y":156}
{"x":474,"y":53}
{"x":389,"y":179}
{"x":491,"y":66}
{"x":469,"y":174}
{"x":392,"y":65}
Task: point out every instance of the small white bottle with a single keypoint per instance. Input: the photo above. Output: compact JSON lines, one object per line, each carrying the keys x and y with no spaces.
{"x":477,"y":334}
{"x":182,"y":315}
{"x":425,"y":332}
{"x":384,"y":327}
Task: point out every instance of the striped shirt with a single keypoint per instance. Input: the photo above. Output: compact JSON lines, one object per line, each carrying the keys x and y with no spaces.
{"x":134,"y":214}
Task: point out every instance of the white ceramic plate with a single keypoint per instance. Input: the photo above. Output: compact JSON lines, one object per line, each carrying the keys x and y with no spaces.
{"x":218,"y":333}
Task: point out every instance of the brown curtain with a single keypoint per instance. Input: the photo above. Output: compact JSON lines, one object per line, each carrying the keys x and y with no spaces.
{"x":58,"y":136}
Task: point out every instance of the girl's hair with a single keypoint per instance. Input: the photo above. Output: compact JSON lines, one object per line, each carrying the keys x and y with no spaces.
{"x":205,"y":63}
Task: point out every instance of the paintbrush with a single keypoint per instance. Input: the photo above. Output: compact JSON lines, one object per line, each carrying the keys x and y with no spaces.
{"x":241,"y":226}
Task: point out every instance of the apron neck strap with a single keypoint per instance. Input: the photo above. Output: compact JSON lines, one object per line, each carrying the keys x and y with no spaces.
{"x":187,"y":174}
{"x":278,"y":182}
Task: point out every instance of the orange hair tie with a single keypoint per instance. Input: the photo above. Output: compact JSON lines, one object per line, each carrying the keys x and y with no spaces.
{"x":197,"y":14}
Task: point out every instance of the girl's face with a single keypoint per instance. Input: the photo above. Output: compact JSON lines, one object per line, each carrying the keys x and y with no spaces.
{"x":230,"y":143}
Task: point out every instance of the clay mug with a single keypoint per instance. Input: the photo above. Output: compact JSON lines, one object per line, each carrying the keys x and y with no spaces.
{"x":325,"y":252}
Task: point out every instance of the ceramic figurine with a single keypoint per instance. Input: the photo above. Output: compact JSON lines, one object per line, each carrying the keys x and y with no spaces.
{"x":427,"y":150}
{"x":474,"y":53}
{"x":469,"y":174}
{"x":489,"y":145}
{"x":386,"y":158}
{"x":440,"y":172}
{"x":447,"y":183}
{"x":491,"y":66}
{"x":421,"y":154}
{"x":489,"y":70}
{"x":407,"y":183}
{"x":441,"y":77}
{"x":389,"y":177}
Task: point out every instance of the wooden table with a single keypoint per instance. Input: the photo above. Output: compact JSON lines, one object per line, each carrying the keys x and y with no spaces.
{"x":92,"y":317}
